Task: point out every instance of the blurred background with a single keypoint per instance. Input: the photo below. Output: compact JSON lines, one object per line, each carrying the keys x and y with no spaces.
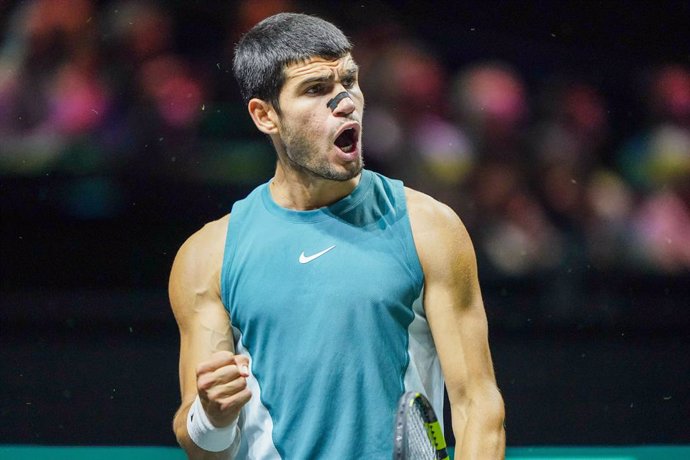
{"x":558,"y":131}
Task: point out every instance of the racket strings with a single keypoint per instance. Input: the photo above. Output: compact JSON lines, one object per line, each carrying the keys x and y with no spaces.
{"x":418,"y":444}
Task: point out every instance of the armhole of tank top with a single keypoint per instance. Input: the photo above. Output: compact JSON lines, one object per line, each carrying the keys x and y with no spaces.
{"x":228,"y":255}
{"x":415,"y":264}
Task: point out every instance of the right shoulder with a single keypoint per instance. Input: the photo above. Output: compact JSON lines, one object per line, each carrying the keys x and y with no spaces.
{"x":197,"y":265}
{"x":206,"y":243}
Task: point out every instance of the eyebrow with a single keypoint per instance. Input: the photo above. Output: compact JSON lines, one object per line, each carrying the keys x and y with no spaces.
{"x":351,"y":71}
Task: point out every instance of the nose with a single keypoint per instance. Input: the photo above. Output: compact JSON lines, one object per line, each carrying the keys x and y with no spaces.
{"x":344,"y":106}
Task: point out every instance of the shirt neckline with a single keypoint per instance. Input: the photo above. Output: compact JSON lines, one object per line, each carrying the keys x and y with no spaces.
{"x":314,"y":215}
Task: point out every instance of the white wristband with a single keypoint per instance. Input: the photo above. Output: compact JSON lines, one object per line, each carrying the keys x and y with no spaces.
{"x":204,"y":434}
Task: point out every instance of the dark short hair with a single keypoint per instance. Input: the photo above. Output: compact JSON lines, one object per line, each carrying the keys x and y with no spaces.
{"x":264,"y":52}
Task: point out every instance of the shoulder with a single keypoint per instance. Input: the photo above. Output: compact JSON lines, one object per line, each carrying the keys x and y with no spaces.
{"x":440,"y":236}
{"x":428,"y":215}
{"x":198,"y":261}
{"x":207,"y":242}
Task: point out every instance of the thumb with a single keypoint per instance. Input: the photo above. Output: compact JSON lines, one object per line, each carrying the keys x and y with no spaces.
{"x":242,"y":362}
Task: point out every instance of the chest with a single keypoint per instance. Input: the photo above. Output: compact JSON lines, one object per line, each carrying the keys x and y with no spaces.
{"x":314,"y":276}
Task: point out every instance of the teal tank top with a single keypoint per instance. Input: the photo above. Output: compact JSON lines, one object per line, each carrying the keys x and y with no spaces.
{"x":327,"y":304}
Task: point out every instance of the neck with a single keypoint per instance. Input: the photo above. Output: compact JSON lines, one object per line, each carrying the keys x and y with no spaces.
{"x":302,"y":191}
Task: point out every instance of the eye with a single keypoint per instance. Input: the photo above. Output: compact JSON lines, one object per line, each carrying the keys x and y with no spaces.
{"x":349,"y":82}
{"x":315,"y":89}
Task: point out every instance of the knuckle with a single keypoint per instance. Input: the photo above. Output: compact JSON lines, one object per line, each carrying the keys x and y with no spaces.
{"x":213,"y":395}
{"x":245,"y":395}
{"x":223,"y":355}
{"x":204,"y":382}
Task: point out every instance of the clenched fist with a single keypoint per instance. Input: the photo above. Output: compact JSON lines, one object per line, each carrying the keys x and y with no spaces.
{"x":221,"y":382}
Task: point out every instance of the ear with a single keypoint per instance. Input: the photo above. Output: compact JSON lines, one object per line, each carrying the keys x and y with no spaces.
{"x":264,"y":116}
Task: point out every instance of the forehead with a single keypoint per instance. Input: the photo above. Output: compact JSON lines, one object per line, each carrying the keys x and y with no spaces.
{"x":318,"y":66}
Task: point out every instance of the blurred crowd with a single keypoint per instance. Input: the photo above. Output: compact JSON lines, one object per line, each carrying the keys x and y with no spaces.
{"x":537,"y":172}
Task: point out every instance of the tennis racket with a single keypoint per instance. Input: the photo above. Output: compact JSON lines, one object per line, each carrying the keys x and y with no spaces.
{"x":418,"y":434}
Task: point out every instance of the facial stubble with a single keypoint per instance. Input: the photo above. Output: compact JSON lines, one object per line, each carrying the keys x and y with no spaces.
{"x":299,"y":152}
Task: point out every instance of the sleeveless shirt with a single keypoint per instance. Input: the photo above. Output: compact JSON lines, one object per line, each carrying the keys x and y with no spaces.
{"x":327,"y":304}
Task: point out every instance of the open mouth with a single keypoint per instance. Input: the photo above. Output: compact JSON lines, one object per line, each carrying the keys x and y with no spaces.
{"x":347,"y":140}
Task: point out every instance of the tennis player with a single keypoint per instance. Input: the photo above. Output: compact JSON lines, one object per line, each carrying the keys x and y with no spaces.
{"x":328,"y":291}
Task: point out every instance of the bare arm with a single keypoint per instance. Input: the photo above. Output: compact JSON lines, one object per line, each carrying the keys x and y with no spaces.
{"x":455,"y":311}
{"x":208,"y":366}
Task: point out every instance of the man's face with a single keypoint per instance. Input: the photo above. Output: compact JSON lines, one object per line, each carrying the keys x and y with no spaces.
{"x":324,"y":142}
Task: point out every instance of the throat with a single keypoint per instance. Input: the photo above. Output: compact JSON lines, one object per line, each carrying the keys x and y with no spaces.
{"x":302,"y":192}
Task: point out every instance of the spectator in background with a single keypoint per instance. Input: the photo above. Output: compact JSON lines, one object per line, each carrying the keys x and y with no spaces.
{"x":657,"y":164}
{"x":52,"y":94}
{"x":161,"y":99}
{"x":411,"y":135}
{"x":92,"y":87}
{"x":567,"y":146}
{"x":490,"y":102}
{"x":515,"y":236}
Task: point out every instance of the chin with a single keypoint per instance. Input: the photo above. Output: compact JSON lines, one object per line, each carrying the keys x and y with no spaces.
{"x":353,"y":169}
{"x":342,"y":173}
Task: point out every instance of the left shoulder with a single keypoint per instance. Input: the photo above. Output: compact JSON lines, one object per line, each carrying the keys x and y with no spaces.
{"x":430,"y":215}
{"x":439,"y":234}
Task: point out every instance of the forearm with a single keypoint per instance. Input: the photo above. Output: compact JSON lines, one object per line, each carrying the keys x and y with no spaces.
{"x":193,"y":451}
{"x":478,"y":427}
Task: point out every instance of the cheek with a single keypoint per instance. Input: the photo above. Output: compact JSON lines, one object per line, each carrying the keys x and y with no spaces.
{"x":309,"y":120}
{"x":306,"y":126}
{"x":303,"y":114}
{"x":358,"y":97}
{"x":313,"y":124}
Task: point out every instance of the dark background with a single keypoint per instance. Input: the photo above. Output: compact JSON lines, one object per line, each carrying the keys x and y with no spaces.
{"x":89,"y":346}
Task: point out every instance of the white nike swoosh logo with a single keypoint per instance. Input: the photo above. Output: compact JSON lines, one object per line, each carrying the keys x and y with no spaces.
{"x":306,"y":259}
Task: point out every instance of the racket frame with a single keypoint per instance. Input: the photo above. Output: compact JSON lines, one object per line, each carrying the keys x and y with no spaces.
{"x":431,"y":423}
